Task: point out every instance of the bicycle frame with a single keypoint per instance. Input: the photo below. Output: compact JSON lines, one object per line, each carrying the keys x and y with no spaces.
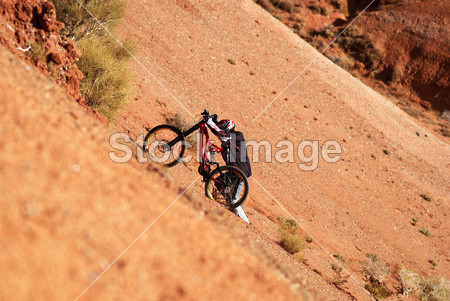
{"x":205,"y":144}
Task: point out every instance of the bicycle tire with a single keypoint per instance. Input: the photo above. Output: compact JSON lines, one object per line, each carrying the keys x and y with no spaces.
{"x":179,"y":134}
{"x":209,"y":186}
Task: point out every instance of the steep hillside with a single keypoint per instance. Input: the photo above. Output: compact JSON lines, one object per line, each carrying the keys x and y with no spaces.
{"x":67,"y":212}
{"x":234,"y":59}
{"x":398,"y":47}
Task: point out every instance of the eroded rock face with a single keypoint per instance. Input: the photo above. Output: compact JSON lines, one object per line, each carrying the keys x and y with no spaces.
{"x":30,"y":30}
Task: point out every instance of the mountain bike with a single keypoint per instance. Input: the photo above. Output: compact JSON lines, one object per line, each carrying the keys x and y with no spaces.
{"x":166,"y":144}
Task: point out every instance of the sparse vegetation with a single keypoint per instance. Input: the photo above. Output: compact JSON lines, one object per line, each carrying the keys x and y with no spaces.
{"x":340,"y":258}
{"x":290,"y":239}
{"x":385,"y":151}
{"x":266,"y":4}
{"x":422,"y":287}
{"x":329,"y":31}
{"x":309,"y":239}
{"x":107,"y":80}
{"x":386,"y":4}
{"x":37,"y":53}
{"x":283,"y":5}
{"x":340,"y":277}
{"x":426,"y":197}
{"x":361,"y":47}
{"x":375,"y":272}
{"x":379,"y":291}
{"x":373,"y":269}
{"x":315,"y":8}
{"x":413,"y":112}
{"x":414,"y":221}
{"x":231,"y":61}
{"x":106,"y":84}
{"x":341,"y":5}
{"x":425,"y":232}
{"x":396,"y":75}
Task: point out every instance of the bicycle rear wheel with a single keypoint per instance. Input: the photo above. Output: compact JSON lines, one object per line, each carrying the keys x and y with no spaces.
{"x":227,"y":185}
{"x":156,"y":145}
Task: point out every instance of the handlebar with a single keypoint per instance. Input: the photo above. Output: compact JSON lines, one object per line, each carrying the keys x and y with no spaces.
{"x":206,"y":115}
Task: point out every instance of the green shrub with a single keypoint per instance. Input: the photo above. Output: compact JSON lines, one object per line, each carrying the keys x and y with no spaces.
{"x":107,"y":79}
{"x":340,"y":258}
{"x":426,"y":197}
{"x":425,"y":232}
{"x":424,"y":288}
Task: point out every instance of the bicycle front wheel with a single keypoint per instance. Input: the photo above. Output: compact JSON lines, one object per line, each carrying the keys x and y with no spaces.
{"x":165,"y":144}
{"x":227,"y":185}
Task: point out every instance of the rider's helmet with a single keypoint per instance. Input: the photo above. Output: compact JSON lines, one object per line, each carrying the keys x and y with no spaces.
{"x":226,"y":125}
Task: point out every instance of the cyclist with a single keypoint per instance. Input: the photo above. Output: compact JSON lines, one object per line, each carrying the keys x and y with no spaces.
{"x":234,"y":153}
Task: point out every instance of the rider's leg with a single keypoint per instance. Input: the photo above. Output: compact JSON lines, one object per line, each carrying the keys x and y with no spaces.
{"x":238,"y":210}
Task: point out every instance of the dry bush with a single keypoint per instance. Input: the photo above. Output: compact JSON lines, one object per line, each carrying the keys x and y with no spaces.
{"x":340,"y":278}
{"x":37,"y":53}
{"x":379,"y":291}
{"x":373,"y":269}
{"x":329,"y":31}
{"x":286,"y":6}
{"x":413,"y":112}
{"x":107,"y":79}
{"x":315,"y":8}
{"x":375,"y":272}
{"x":266,"y":4}
{"x":422,"y":287}
{"x":79,"y":23}
{"x":362,"y":48}
{"x":340,"y":5}
{"x":290,"y":240}
{"x":346,"y":62}
{"x":445,"y":115}
{"x":386,"y":4}
{"x":396,"y":75}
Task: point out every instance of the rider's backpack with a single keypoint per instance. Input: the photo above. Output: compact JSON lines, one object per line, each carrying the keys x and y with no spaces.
{"x":235,"y":153}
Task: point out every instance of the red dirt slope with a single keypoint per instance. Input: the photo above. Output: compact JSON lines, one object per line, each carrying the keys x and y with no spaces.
{"x":29,"y":29}
{"x":362,"y":204}
{"x":67,"y":211}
